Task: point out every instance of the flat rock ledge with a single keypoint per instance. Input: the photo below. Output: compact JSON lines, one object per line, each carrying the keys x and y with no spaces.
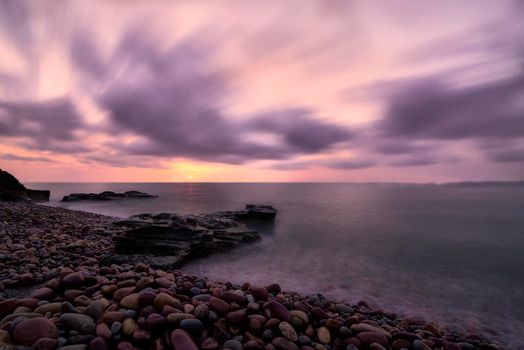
{"x":170,"y":240}
{"x":106,"y":196}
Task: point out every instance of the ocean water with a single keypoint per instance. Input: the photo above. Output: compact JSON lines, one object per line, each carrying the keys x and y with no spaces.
{"x":450,"y":253}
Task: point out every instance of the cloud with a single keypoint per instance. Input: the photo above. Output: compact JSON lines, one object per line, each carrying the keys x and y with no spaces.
{"x":350,"y":164}
{"x":44,"y":125}
{"x":10,"y":156}
{"x":171,"y":101}
{"x":431,"y":109}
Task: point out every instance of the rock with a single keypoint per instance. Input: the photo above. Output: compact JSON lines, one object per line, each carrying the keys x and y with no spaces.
{"x":237,"y":318}
{"x":373,"y":337}
{"x":45,"y":344}
{"x":97,"y":344}
{"x":38,"y":195}
{"x":220,"y":306}
{"x":364,"y":327}
{"x":192,"y":326}
{"x":75,"y":321}
{"x":130,"y":301}
{"x":29,"y":331}
{"x":163,"y":299}
{"x":182,"y":341}
{"x":376,"y":346}
{"x":73,"y":280}
{"x":102,"y":330}
{"x":233,"y":345}
{"x":288,"y":331}
{"x":106,"y":196}
{"x":129,"y":326}
{"x":170,"y":240}
{"x":201,"y":311}
{"x":283,"y":344}
{"x":323,"y":335}
{"x":43,"y":293}
{"x":279,"y":311}
{"x":210,"y":344}
{"x":7,"y":306}
{"x":262,"y":212}
{"x":260,"y":293}
{"x":95,"y":309}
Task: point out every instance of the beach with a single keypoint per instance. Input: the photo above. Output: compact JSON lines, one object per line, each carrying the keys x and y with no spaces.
{"x":56,"y":294}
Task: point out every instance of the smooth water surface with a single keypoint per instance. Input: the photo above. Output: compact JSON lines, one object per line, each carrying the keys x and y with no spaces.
{"x":451,"y":253}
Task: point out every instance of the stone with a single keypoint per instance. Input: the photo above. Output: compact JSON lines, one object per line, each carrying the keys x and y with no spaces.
{"x":130,"y":301}
{"x":323,"y":335}
{"x":163,"y":299}
{"x":75,"y":321}
{"x":210,"y":344}
{"x":43,"y":293}
{"x":51,"y":307}
{"x":192,"y":326}
{"x":45,"y":344}
{"x":288,"y":331}
{"x":279,"y":311}
{"x":181,"y":340}
{"x":364,"y":327}
{"x":73,"y":280}
{"x":237,"y":318}
{"x":97,"y":344}
{"x":102,"y":330}
{"x":260,"y":293}
{"x":29,"y":331}
{"x":281,"y":343}
{"x":220,"y":306}
{"x":373,"y":337}
{"x":233,"y":345}
{"x":201,"y":311}
{"x":95,"y":309}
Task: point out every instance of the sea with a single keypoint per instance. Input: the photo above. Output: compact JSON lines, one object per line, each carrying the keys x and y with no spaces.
{"x":451,"y":253}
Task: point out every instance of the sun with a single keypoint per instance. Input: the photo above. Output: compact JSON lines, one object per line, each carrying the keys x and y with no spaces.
{"x":190,"y":177}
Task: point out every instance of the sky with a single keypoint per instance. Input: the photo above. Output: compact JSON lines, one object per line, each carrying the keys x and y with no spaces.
{"x":246,"y":90}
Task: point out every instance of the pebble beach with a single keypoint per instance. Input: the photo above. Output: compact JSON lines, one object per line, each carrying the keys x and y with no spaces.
{"x":55,"y":294}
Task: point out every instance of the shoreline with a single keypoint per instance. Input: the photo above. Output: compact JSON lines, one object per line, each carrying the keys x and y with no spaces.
{"x":61,"y":248}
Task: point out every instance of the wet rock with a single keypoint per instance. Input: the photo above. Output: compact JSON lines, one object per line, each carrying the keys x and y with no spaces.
{"x":182,"y":341}
{"x":281,"y":343}
{"x":106,"y":196}
{"x":75,"y":321}
{"x":288,"y":331}
{"x":279,"y":311}
{"x":29,"y":331}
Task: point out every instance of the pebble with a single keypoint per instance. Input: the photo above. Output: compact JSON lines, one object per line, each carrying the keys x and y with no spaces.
{"x":279,"y":311}
{"x":29,"y":331}
{"x":323,"y":335}
{"x":192,"y":326}
{"x":288,"y":331}
{"x":233,"y":345}
{"x":182,"y":341}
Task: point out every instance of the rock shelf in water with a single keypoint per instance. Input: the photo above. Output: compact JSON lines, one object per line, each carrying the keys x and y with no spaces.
{"x":106,"y":196}
{"x":169,"y":240}
{"x":75,"y":303}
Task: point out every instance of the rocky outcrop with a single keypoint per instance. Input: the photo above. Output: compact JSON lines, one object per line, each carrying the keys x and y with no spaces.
{"x":39,"y":195}
{"x":170,"y":240}
{"x":106,"y":196}
{"x":12,"y":190}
